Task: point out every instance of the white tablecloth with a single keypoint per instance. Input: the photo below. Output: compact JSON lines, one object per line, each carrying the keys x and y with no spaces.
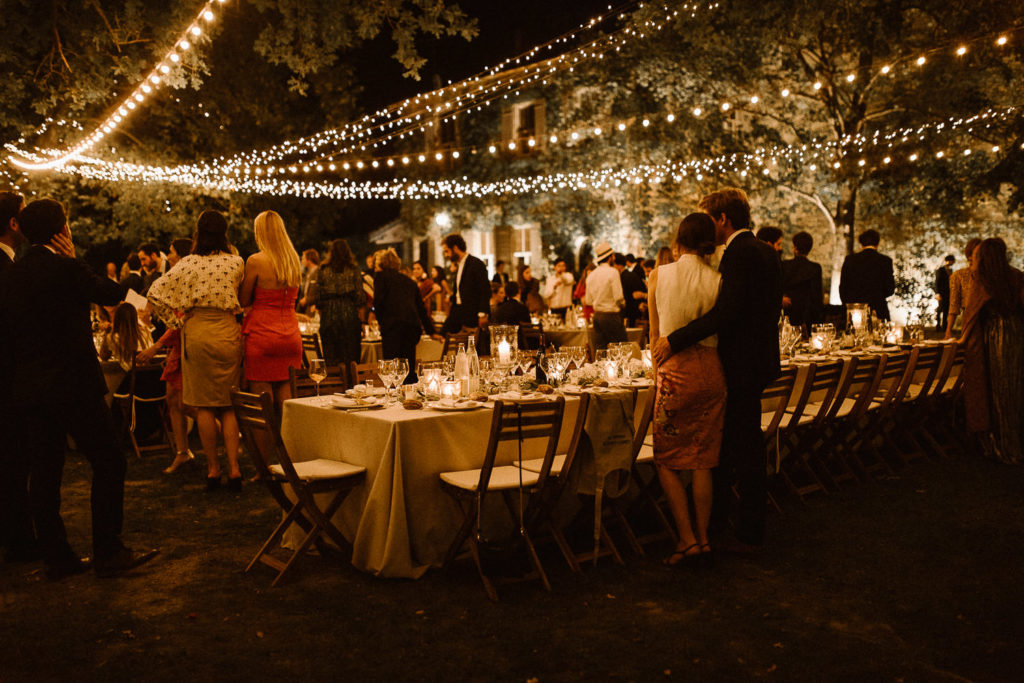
{"x":400,"y":522}
{"x":582,"y":337}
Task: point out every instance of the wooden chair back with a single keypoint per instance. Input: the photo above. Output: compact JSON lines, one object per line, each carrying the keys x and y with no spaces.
{"x":927,"y":359}
{"x":514,"y":421}
{"x":311,"y":348}
{"x":453,"y":339}
{"x":258,"y":423}
{"x":777,"y":396}
{"x":860,"y":384}
{"x":358,"y":373}
{"x":543,"y":503}
{"x":822,"y":379}
{"x":530,"y":335}
{"x":145,"y":374}
{"x":302,"y":385}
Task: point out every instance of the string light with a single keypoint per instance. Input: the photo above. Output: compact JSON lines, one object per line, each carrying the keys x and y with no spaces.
{"x":146,"y":86}
{"x":764,"y":159}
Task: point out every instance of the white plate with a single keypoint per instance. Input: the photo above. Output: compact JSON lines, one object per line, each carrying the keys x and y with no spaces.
{"x":462,"y":405}
{"x":377,"y":391}
{"x":346,"y":403}
{"x":516,"y":397}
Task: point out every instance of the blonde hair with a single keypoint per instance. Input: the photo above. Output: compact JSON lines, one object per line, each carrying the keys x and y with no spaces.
{"x":273,"y":240}
{"x":387,"y":259}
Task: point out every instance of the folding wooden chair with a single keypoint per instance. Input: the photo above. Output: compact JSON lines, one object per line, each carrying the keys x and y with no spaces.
{"x":530,"y":334}
{"x":453,"y":339}
{"x":879,"y":416}
{"x":307,"y":479}
{"x":311,"y":348}
{"x":933,"y":410}
{"x":923,"y":368}
{"x":775,"y":400}
{"x":853,"y":398}
{"x":802,"y":427}
{"x":145,"y":375}
{"x":358,"y":373}
{"x":648,"y":487}
{"x":469,"y":488}
{"x":302,"y":385}
{"x":542,"y":505}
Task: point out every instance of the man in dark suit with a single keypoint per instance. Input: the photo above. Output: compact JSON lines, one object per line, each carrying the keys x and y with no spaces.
{"x":134,"y":279}
{"x":17,"y":536}
{"x":634,"y":289}
{"x":471,"y":296}
{"x":745,"y":318}
{"x":500,"y":276}
{"x":512,"y":311}
{"x":54,"y":388}
{"x":867,"y":276}
{"x":802,"y":297}
{"x":942,"y":292}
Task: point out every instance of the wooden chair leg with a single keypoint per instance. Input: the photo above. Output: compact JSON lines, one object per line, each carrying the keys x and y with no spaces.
{"x":536,"y":562}
{"x":489,"y":588}
{"x":565,"y":548}
{"x":276,"y":535}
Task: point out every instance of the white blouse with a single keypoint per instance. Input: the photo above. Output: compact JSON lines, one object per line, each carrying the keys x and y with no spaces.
{"x":686,"y":290}
{"x":198,"y":282}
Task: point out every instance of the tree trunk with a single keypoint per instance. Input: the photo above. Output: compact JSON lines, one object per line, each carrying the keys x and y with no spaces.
{"x":846,"y":210}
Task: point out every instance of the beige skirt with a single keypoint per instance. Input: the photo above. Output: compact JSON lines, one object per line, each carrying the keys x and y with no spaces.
{"x":211,"y":357}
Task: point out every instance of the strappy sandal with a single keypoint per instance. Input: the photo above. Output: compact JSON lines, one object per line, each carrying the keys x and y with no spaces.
{"x":684,"y":558}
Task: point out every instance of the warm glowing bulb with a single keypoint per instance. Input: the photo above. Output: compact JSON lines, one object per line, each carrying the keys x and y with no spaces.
{"x":886,"y":69}
{"x":962,"y":50}
{"x":439,"y":156}
{"x":175,"y":58}
{"x":851,"y":78}
{"x":886,"y":160}
{"x":621,"y":127}
{"x":184,"y":44}
{"x":785,"y":92}
{"x":755,"y":99}
{"x":939,"y":155}
{"x":670,"y":118}
{"x":726,"y":106}
{"x":597,"y":131}
{"x":1001,"y":41}
{"x":195,"y":30}
{"x":913,"y":157}
{"x":553,"y":139}
{"x":208,"y":15}
{"x":164,"y":69}
{"x":697,"y":111}
{"x":646,"y":122}
{"x":492,"y":149}
{"x":817,"y":85}
{"x":921,"y":61}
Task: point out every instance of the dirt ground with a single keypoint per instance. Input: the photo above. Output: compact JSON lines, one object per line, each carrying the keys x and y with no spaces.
{"x":917,"y":578}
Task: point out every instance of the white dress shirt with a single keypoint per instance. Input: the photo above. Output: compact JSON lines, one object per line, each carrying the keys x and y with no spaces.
{"x":558,"y":290}
{"x":604,"y":290}
{"x":7,"y":250}
{"x":458,"y":279}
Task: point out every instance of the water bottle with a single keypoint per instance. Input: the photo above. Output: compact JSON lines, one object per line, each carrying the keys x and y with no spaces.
{"x":474,"y":366}
{"x":462,"y":369}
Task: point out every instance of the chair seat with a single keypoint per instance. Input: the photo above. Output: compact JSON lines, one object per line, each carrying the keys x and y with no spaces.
{"x":646,"y":454}
{"x":502,"y":478}
{"x":535,"y":464}
{"x":847,"y":407}
{"x":319,"y":469}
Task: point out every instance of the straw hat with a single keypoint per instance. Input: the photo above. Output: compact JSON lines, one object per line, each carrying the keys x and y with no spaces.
{"x":603,"y":251}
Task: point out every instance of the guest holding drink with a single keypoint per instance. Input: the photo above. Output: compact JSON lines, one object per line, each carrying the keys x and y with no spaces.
{"x":204,"y":286}
{"x":338,"y":294}
{"x":271,"y":328}
{"x":689,"y":409}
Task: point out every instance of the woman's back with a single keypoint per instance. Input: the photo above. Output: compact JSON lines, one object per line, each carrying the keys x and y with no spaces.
{"x":686,"y":290}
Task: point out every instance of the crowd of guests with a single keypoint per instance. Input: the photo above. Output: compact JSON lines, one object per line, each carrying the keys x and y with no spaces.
{"x":712,"y":301}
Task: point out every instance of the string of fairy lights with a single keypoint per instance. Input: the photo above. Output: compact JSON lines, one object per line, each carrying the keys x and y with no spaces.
{"x":121,"y":112}
{"x":267,"y":171}
{"x":387,"y":119}
{"x":881,"y":150}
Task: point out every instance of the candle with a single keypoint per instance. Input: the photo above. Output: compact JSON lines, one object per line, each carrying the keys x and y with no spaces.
{"x":504,"y":352}
{"x":894,"y":335}
{"x":856,"y":319}
{"x":818,"y":342}
{"x":610,"y":371}
{"x":450,"y":389}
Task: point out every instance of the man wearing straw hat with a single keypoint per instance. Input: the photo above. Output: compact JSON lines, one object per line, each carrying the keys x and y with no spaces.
{"x":604,"y":293}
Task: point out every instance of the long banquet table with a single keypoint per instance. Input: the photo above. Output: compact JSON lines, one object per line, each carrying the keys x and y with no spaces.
{"x":400,"y":522}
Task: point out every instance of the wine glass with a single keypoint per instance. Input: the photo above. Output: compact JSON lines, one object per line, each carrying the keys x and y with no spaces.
{"x":317,"y":373}
{"x":401,"y":370}
{"x":386,"y":371}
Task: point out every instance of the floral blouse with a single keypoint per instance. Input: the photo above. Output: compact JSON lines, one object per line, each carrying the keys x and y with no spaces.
{"x":210,"y":281}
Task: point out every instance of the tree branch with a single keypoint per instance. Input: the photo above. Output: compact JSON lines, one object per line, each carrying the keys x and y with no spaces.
{"x":110,"y":29}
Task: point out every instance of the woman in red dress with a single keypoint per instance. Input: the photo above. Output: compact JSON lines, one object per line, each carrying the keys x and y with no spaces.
{"x":271,"y":329}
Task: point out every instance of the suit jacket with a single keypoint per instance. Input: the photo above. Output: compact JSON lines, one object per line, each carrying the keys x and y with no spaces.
{"x":802,"y":283}
{"x":942,"y":283}
{"x":5,"y":261}
{"x":500,"y":279}
{"x":511,"y":312}
{"x":47,"y":332}
{"x":631,"y":282}
{"x":132,"y":281}
{"x":398,"y":305}
{"x":745,"y":317}
{"x":475,"y":291}
{"x":867,"y":278}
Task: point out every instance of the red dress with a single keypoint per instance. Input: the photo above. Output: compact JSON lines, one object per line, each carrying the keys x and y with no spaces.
{"x":271,"y":333}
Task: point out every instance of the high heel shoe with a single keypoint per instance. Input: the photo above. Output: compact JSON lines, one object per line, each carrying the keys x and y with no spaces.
{"x":684,"y":558}
{"x":180,"y":460}
{"x":234,"y":484}
{"x":213,"y":483}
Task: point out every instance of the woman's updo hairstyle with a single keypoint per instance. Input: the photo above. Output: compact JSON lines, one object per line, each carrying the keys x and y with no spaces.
{"x":697,"y":233}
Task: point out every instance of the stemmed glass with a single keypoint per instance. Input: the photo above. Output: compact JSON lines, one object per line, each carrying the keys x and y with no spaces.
{"x":318,"y":373}
{"x":401,"y":371}
{"x":386,"y":371}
